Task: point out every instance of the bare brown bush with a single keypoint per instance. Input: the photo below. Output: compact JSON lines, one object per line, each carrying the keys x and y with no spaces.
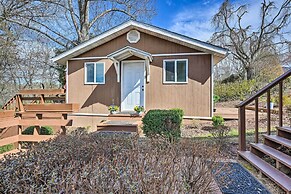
{"x":95,"y":163}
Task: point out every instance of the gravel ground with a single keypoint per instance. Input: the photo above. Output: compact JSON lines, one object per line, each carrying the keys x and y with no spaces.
{"x":239,"y":180}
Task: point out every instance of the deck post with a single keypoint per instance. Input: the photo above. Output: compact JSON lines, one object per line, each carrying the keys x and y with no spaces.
{"x":257,"y":120}
{"x":281,"y":104}
{"x":268,"y":112}
{"x":242,"y":128}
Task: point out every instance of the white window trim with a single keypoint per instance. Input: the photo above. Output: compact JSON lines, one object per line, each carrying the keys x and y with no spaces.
{"x":164,"y":71}
{"x":133,"y":41}
{"x":85,"y":77}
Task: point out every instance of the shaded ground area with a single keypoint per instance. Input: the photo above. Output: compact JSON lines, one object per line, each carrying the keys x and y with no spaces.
{"x":240,"y":181}
{"x":196,"y":129}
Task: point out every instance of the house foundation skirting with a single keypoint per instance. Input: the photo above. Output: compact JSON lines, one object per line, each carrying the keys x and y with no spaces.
{"x":106,"y":115}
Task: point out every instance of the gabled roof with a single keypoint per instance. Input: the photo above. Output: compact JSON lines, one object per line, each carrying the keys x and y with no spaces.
{"x":146,"y":28}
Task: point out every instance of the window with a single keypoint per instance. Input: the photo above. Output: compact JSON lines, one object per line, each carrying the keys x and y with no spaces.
{"x":176,"y":71}
{"x":94,"y":73}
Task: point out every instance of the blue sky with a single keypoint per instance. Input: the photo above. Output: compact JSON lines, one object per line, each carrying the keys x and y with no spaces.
{"x":188,"y":17}
{"x":193,"y":17}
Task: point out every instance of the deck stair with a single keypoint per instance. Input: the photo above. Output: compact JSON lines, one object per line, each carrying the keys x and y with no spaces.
{"x":280,"y":170}
{"x":121,"y":122}
{"x":272,"y":157}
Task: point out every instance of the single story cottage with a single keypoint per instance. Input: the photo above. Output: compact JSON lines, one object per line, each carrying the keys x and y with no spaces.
{"x":140,"y":64}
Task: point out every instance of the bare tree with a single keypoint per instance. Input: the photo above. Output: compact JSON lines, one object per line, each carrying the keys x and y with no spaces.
{"x":251,"y":44}
{"x":70,"y":22}
{"x":23,"y":64}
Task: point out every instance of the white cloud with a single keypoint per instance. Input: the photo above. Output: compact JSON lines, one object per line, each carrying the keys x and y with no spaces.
{"x":169,"y":2}
{"x":195,"y":20}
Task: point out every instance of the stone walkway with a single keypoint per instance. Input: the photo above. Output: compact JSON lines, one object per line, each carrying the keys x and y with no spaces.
{"x":239,"y":181}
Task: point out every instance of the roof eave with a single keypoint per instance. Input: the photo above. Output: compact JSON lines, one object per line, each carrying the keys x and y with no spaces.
{"x":92,"y":43}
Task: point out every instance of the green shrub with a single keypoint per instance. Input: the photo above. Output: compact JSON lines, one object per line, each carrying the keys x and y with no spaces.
{"x":286,"y":100}
{"x":178,"y":111}
{"x":163,"y":123}
{"x":236,"y":90}
{"x":6,"y":148}
{"x":44,"y":130}
{"x":219,"y":131}
{"x":217,"y":121}
{"x":216,"y":98}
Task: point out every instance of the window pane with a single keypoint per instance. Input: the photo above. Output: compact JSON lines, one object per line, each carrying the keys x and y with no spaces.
{"x":181,"y":71}
{"x":99,"y":72}
{"x":90,"y":72}
{"x":170,"y":71}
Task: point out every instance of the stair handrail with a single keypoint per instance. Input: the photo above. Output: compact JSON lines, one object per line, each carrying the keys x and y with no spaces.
{"x":255,"y":97}
{"x":10,"y":101}
{"x":262,"y":91}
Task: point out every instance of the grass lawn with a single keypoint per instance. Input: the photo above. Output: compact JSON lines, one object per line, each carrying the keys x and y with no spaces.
{"x":234,"y":133}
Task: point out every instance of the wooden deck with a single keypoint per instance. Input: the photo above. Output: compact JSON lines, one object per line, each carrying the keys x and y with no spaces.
{"x":33,"y":108}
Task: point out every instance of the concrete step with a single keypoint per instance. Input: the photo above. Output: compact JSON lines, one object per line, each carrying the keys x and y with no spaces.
{"x":273,"y":153}
{"x":272,"y":173}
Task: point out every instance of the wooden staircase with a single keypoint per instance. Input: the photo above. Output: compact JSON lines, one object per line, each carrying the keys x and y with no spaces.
{"x":121,"y":122}
{"x":272,"y":157}
{"x":277,"y":168}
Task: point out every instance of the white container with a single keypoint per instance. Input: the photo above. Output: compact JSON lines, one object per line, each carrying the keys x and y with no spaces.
{"x":271,"y":105}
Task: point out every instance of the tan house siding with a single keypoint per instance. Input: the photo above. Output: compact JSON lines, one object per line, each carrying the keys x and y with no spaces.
{"x":146,"y":43}
{"x":92,"y":98}
{"x":193,"y":97}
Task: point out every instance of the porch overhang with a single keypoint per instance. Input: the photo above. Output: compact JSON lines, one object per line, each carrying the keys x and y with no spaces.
{"x":127,"y":52}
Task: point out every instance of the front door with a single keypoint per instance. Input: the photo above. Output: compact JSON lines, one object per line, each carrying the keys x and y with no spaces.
{"x":132,"y":85}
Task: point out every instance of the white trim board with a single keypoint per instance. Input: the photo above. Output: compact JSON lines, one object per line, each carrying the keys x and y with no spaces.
{"x":212,"y":86}
{"x":164,"y":71}
{"x":94,"y":82}
{"x":178,"y":54}
{"x":154,"y":55}
{"x":146,"y":28}
{"x":87,"y":58}
{"x":67,"y":82}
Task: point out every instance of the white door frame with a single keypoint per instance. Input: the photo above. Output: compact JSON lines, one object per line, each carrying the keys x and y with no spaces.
{"x":121,"y":81}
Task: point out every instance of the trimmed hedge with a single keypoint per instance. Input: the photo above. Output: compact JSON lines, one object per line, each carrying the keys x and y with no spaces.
{"x":163,"y":123}
{"x":44,"y":130}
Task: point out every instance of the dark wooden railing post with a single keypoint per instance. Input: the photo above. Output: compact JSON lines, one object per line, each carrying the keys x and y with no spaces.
{"x":281,"y":104}
{"x":257,"y":120}
{"x":242,"y":128}
{"x":268,"y":112}
{"x":255,"y":97}
{"x":19,"y":130}
{"x":63,"y":128}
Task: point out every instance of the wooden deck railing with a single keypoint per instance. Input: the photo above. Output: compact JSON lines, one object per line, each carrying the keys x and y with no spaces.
{"x":37,"y":115}
{"x":242,"y":109}
{"x":34,"y":96}
{"x":34,"y":108}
